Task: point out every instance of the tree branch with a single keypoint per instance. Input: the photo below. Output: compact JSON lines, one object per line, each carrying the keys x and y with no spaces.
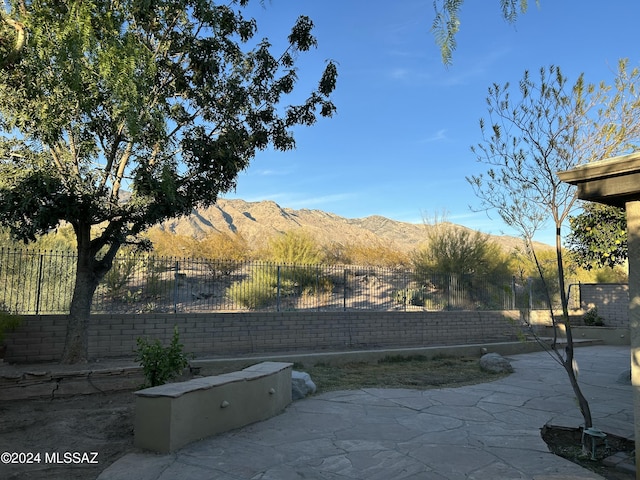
{"x":22,"y":36}
{"x":120,"y":173}
{"x":112,"y":155}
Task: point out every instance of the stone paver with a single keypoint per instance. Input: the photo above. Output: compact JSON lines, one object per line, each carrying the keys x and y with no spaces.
{"x":485,"y":431}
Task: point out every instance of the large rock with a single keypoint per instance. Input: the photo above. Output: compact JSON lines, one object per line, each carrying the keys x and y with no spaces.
{"x":301,"y":385}
{"x":496,"y":363}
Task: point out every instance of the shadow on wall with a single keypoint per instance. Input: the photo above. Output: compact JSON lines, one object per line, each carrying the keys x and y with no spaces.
{"x":611,"y":300}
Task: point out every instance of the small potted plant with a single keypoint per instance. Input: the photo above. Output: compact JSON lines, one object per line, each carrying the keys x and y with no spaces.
{"x":8,"y":323}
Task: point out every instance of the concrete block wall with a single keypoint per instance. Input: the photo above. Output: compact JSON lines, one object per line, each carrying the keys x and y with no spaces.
{"x":41,"y":338}
{"x":611,"y":299}
{"x":37,"y":339}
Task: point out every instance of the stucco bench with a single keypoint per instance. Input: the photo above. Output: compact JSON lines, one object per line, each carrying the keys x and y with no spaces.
{"x":170,"y":416}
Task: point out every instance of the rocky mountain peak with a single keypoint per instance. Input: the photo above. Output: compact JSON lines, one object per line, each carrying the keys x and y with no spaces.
{"x":258,"y":221}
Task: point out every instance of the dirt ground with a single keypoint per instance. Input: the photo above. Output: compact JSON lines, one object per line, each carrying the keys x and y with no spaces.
{"x":65,"y":438}
{"x":566,"y":442}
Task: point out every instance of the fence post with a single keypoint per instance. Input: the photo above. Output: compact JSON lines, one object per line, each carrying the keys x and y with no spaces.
{"x":39,"y":284}
{"x":406,"y":290}
{"x":278,"y":291}
{"x":344,"y":290}
{"x":175,"y":288}
{"x":580,"y":294}
{"x":513,"y":292}
{"x":318,"y":287}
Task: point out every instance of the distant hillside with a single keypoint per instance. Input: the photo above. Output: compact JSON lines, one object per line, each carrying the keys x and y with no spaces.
{"x":258,"y":221}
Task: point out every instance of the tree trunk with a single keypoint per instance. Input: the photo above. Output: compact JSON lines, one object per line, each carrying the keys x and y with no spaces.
{"x":583,"y":403}
{"x":87,"y":280}
{"x":568,"y":360}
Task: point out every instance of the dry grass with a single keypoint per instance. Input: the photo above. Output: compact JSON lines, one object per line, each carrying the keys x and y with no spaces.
{"x":417,"y":372}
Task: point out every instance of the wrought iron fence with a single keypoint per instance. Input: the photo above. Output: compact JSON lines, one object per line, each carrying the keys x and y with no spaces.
{"x":41,"y":282}
{"x":36,"y":281}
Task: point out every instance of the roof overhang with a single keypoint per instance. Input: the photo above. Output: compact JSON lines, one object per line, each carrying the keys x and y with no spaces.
{"x":614,"y":181}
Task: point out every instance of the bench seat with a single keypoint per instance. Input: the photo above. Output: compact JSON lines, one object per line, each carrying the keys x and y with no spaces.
{"x":170,"y":416}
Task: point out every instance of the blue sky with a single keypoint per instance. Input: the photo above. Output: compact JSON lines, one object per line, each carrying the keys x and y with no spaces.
{"x":399,"y":145}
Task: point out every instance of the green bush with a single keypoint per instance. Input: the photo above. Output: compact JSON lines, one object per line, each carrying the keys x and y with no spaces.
{"x":260,"y":289}
{"x":118,"y":277}
{"x":8,"y":322}
{"x":450,"y":249}
{"x":155,"y":284}
{"x":257,"y":291}
{"x":591,"y":318}
{"x":294,"y":246}
{"x":161,"y":364}
{"x":412,"y":296}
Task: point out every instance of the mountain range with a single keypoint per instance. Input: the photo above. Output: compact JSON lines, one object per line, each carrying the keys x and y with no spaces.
{"x":259,"y":221}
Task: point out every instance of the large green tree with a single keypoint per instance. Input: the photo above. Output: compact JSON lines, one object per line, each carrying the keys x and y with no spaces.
{"x":598,"y":236}
{"x":116,"y":115}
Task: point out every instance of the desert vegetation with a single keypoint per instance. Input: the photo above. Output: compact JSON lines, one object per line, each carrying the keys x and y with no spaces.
{"x":453,"y":268}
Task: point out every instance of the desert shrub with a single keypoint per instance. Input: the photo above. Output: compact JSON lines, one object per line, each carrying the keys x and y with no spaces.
{"x":458,"y":250}
{"x":592,"y":318}
{"x":168,"y":244}
{"x":367,"y":254}
{"x":118,"y":277}
{"x":302,"y":278}
{"x":263,"y":285}
{"x":611,"y":275}
{"x":259,"y":290}
{"x":216,"y":246}
{"x":223,"y":253}
{"x":161,"y":364}
{"x":155,"y":283}
{"x":294,"y":247}
{"x":412,"y":296}
{"x":8,"y":321}
{"x":60,"y":239}
{"x":223,"y":247}
{"x":336,"y":253}
{"x":522,"y":263}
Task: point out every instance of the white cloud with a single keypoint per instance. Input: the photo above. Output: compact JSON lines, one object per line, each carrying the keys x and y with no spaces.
{"x":271,"y":173}
{"x":440,"y":135}
{"x":410,"y":76}
{"x":399,"y":73}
